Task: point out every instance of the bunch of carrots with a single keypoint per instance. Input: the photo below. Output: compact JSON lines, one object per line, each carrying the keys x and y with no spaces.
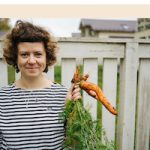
{"x":93,"y":90}
{"x":82,"y":133}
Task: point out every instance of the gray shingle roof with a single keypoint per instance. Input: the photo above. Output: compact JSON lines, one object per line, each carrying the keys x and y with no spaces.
{"x":110,"y":25}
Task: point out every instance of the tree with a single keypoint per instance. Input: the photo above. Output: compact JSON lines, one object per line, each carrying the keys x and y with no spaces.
{"x":4,"y":24}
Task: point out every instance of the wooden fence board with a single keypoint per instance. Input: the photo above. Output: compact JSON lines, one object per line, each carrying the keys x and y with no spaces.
{"x":109,"y":89}
{"x":3,"y":73}
{"x":91,"y":67}
{"x":68,"y":67}
{"x":143,"y":120}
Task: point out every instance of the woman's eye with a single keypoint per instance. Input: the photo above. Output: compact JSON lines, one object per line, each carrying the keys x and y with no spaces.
{"x":38,"y":54}
{"x":24,"y":55}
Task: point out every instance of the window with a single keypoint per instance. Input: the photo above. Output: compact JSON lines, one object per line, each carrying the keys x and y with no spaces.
{"x":141,"y":28}
{"x":147,"y":26}
{"x":147,"y":19}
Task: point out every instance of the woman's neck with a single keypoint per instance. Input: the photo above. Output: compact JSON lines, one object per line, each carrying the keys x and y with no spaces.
{"x":33,"y":83}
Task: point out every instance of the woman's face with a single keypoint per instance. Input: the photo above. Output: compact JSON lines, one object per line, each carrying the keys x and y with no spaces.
{"x":31,"y":59}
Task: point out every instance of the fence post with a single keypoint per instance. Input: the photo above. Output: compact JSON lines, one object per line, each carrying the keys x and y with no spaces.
{"x":127,"y":101}
{"x":143,"y":113}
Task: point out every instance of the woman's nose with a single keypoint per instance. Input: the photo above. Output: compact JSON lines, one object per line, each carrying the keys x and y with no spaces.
{"x":31,"y":59}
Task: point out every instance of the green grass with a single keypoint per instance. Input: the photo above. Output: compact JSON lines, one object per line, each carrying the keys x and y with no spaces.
{"x":11,"y":74}
{"x":57,"y":75}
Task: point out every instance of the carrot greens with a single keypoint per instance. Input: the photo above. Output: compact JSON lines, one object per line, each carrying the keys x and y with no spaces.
{"x":82,"y":133}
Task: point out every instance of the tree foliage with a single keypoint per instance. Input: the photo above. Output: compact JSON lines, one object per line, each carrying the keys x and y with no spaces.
{"x":4,"y":24}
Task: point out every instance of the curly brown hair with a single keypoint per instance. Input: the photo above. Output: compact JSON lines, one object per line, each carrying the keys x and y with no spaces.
{"x":24,"y":31}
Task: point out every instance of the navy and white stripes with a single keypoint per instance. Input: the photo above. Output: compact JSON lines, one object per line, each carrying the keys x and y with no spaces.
{"x":29,"y":119}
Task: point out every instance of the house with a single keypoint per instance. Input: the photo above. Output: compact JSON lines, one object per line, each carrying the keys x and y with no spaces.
{"x":143,"y":28}
{"x":76,"y":34}
{"x":103,"y":28}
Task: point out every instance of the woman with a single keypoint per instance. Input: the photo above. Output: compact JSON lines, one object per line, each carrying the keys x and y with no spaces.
{"x":30,"y":108}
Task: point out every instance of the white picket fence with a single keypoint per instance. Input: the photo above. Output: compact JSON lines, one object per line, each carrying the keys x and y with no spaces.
{"x":132,"y":130}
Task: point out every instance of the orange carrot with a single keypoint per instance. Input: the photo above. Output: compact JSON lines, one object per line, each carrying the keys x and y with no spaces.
{"x":88,"y":87}
{"x":93,"y":90}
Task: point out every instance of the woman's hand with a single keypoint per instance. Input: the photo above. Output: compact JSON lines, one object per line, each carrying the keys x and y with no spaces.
{"x":74,"y":92}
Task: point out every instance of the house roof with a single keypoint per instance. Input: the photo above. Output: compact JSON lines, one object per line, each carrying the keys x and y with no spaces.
{"x":109,"y":25}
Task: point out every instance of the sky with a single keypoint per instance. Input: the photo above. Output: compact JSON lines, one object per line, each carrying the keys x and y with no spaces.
{"x":58,"y":27}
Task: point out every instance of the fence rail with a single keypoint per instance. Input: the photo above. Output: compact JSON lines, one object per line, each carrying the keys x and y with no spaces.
{"x":132,"y":130}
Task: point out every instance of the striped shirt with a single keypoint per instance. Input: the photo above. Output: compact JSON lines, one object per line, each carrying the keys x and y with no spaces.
{"x":30,"y":119}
